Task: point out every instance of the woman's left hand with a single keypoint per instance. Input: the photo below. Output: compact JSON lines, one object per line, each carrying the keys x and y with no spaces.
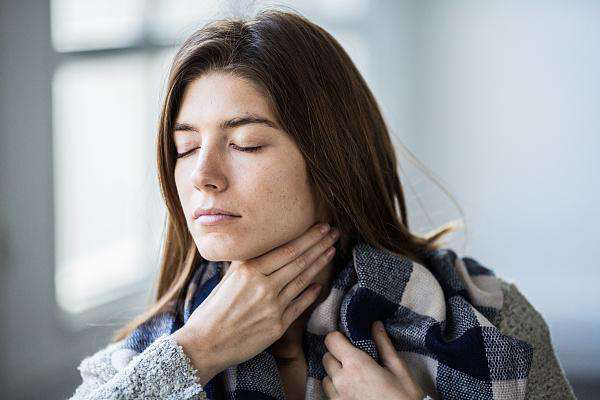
{"x":352,"y":374}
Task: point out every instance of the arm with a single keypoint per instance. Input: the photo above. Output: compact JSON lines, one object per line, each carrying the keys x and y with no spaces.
{"x":162,"y":371}
{"x":519,"y":318}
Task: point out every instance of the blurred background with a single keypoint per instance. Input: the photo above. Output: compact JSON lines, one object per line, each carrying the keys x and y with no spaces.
{"x":499,"y":99}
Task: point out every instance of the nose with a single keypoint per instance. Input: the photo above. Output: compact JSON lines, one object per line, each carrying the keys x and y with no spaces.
{"x":208,"y":173}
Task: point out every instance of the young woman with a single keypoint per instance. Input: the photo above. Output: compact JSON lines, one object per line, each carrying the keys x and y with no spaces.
{"x":268,"y":131}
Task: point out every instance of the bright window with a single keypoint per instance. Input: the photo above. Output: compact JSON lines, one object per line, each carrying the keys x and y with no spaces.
{"x":113,"y":60}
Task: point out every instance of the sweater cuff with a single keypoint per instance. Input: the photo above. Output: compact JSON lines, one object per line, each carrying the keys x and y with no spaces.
{"x":164,"y":371}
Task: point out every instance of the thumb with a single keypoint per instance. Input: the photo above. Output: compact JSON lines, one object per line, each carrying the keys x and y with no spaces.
{"x":389,"y":355}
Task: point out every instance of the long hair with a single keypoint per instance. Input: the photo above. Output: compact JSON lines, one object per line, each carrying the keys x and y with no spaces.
{"x":321,"y":100}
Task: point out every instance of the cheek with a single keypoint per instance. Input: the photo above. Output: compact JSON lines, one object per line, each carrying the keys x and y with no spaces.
{"x":283,"y":188}
{"x":282,"y":200}
{"x":178,"y":181}
{"x":183,"y":186}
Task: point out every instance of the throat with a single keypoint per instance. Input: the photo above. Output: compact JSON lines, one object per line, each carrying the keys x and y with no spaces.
{"x":293,"y":374}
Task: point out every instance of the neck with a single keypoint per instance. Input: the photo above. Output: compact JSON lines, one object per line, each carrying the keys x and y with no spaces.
{"x":288,"y":348}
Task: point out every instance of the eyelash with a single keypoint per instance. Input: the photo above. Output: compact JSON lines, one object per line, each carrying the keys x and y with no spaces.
{"x":244,"y":149}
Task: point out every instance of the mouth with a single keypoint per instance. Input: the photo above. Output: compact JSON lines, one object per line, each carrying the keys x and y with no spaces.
{"x":198,"y":212}
{"x":215,"y":219}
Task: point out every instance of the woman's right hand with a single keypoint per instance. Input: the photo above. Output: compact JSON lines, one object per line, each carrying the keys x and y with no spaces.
{"x":255,"y":303}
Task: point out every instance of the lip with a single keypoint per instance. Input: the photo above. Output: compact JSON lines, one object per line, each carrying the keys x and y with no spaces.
{"x":215,"y":219}
{"x":211,"y":211}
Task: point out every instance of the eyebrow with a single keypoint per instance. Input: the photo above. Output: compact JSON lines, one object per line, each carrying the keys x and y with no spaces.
{"x":228,"y":124}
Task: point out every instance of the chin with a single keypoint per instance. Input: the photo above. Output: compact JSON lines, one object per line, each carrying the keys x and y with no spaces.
{"x":221,"y":248}
{"x":212,"y":254}
{"x":224,"y":253}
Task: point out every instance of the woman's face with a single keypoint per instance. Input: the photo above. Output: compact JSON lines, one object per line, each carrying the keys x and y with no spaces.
{"x":268,"y":189}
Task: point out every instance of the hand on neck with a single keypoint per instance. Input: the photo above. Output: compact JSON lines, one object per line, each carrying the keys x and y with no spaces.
{"x":289,"y":347}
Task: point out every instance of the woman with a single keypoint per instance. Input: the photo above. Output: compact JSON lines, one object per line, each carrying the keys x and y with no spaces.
{"x":268,"y":125}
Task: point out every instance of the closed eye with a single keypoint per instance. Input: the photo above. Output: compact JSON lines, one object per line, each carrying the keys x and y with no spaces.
{"x":244,"y":149}
{"x":248,"y":149}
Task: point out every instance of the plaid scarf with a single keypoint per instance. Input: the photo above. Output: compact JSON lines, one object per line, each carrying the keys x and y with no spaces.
{"x":441,"y":318}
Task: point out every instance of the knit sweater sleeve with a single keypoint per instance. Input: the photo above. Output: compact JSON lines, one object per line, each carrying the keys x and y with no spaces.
{"x":519,"y":318}
{"x":161,"y":371}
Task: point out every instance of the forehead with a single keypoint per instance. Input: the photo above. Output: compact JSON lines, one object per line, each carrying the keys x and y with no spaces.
{"x":215,"y":96}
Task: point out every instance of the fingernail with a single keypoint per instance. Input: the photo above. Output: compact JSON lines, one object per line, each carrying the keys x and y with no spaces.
{"x":335,"y":234}
{"x":324,"y":228}
{"x":379,"y":325}
{"x":330,"y":252}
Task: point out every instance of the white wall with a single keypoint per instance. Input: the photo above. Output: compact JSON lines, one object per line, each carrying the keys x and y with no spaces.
{"x":507,"y":101}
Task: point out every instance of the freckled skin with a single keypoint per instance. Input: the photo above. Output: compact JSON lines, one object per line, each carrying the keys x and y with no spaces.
{"x":268,"y":188}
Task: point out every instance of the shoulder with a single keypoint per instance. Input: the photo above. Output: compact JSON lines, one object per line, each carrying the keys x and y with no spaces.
{"x":518,"y":315}
{"x":519,"y":318}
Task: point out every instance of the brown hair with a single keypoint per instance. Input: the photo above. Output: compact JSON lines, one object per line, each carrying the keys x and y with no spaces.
{"x":321,"y":100}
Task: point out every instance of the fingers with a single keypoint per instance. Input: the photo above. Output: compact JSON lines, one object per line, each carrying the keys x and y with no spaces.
{"x":328,"y":388}
{"x":340,"y":347}
{"x":315,"y":258}
{"x":290,"y":251}
{"x":300,"y":303}
{"x":331,"y":364}
{"x":387,"y":351}
{"x":295,"y":276}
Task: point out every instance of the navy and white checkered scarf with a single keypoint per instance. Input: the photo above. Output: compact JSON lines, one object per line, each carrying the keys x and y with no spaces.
{"x":441,"y":318}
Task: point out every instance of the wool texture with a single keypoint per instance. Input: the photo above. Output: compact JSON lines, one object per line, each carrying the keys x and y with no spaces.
{"x":442,"y":318}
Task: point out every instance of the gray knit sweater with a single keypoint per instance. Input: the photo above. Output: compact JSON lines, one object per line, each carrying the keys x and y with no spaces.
{"x":163,"y":370}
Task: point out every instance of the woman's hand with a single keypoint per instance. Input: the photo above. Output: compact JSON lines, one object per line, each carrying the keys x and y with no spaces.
{"x":352,"y":374}
{"x":255,"y":303}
